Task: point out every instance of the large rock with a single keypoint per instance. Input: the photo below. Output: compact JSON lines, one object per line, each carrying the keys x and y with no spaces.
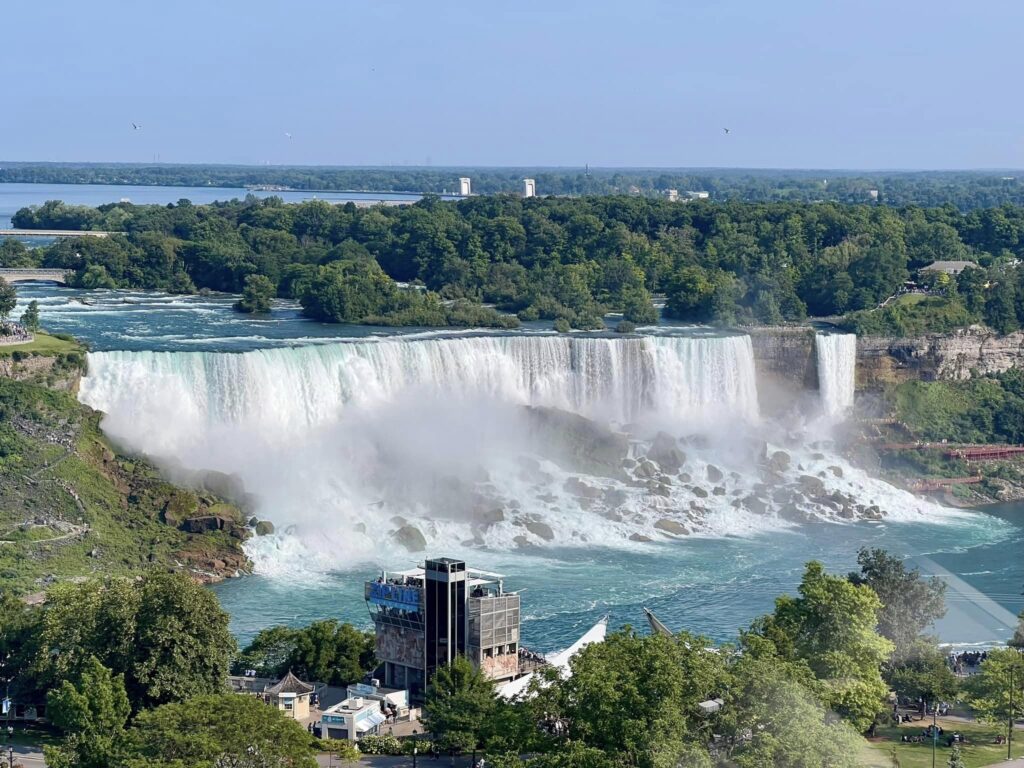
{"x":539,"y":529}
{"x":665,"y":453}
{"x":577,"y":487}
{"x":577,"y":443}
{"x":264,"y":528}
{"x":779,"y":461}
{"x":410,"y":537}
{"x":715,"y":475}
{"x":179,"y":507}
{"x":810,"y":485}
{"x":671,"y":527}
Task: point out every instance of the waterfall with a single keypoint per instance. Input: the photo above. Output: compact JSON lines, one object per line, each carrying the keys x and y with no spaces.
{"x":366,"y":449}
{"x":298,"y":388}
{"x":837,"y":366}
{"x":470,"y":439}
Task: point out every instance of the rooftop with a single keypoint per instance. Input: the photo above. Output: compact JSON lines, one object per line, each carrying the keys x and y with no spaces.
{"x":290,"y":684}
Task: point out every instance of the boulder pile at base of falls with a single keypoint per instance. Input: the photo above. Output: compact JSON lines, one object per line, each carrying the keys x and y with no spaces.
{"x":643,"y":489}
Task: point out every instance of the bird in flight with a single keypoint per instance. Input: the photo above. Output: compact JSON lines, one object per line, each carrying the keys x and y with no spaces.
{"x":287,"y":135}
{"x":136,"y":126}
{"x":726,"y":130}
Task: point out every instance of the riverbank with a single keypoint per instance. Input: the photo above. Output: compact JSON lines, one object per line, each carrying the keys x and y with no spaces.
{"x":72,"y":506}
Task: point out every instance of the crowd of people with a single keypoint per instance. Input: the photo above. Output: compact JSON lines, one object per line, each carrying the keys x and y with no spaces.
{"x":14,"y":333}
{"x":967,"y":662}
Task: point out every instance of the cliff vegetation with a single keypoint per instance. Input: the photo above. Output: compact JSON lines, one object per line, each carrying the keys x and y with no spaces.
{"x":71,"y":506}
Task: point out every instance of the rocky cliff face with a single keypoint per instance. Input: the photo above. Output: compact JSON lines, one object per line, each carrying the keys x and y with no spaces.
{"x":786,"y":364}
{"x":786,"y":360}
{"x":953,"y":356}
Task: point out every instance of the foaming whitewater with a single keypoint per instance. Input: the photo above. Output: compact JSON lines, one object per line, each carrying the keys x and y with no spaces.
{"x":837,"y":367}
{"x":498,"y":442}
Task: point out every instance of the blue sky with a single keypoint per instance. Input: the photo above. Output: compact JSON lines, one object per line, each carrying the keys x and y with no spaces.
{"x":800,"y":83}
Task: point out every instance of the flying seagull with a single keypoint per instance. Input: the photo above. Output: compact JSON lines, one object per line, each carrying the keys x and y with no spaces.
{"x":136,"y":126}
{"x":287,"y":135}
{"x":726,"y":130}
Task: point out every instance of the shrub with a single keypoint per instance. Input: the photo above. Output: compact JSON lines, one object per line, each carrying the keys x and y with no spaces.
{"x":625,"y":326}
{"x":562,"y":325}
{"x":380,"y":745}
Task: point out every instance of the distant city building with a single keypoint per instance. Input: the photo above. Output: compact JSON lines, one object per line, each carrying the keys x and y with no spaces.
{"x":423,"y":618}
{"x":699,"y":195}
{"x":529,"y":188}
{"x":873,"y":194}
{"x":673,"y":195}
{"x":949,"y":267}
{"x":464,"y":186}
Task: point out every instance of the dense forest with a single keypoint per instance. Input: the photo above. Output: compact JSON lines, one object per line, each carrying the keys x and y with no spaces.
{"x":965,"y":190}
{"x":492,"y":259}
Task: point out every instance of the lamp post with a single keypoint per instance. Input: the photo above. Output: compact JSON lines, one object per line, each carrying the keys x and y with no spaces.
{"x":1009,"y":720}
{"x":935,"y":730}
{"x":415,"y":752}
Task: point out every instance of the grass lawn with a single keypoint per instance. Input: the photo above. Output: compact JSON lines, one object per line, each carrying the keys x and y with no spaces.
{"x":30,"y":735}
{"x":980,"y":749}
{"x":910,"y":299}
{"x":43,"y":344}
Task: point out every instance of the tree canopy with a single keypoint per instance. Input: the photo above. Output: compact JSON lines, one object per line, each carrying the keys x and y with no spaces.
{"x":571,"y":259}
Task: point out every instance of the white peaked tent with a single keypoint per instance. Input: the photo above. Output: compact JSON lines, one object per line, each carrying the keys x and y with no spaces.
{"x":558,"y":660}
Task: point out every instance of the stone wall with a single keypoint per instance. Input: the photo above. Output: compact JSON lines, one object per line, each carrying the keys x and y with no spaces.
{"x":958,"y":355}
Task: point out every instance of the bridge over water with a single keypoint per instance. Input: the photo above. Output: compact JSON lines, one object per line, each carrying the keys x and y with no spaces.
{"x":55,"y":233}
{"x":26,"y":275}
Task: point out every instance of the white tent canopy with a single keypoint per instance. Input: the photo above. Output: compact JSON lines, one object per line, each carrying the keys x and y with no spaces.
{"x":558,"y":660}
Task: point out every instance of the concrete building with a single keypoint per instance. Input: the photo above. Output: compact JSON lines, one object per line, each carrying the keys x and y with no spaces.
{"x":351,"y":719}
{"x":673,"y":195}
{"x":698,"y":195}
{"x":464,"y":186}
{"x":427,"y":616}
{"x":529,"y":188}
{"x":873,"y":194}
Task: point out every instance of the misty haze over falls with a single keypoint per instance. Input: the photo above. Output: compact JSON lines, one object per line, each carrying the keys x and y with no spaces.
{"x":365,"y":450}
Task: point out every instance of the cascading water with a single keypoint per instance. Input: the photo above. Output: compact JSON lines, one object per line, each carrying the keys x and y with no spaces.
{"x":496,"y":441}
{"x":837,"y":367}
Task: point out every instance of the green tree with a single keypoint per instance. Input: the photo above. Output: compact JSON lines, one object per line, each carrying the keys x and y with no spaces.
{"x":788,"y":727}
{"x":635,"y":698}
{"x":331,"y":652}
{"x":1017,"y":641}
{"x":8,"y":299}
{"x":922,"y":672}
{"x":459,"y":703}
{"x":92,"y":714}
{"x":1001,"y":678}
{"x":257,"y":295}
{"x":831,"y":628}
{"x":95,"y":276}
{"x":956,"y":758}
{"x":30,"y":317}
{"x":166,"y":634}
{"x":910,"y":603}
{"x":217,"y":730}
{"x":1000,"y":313}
